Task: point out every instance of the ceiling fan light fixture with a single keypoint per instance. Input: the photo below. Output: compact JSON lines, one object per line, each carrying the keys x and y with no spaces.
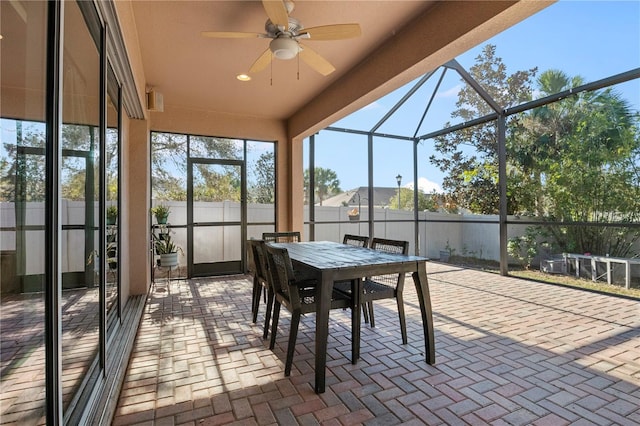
{"x":243,"y":77}
{"x":284,"y":48}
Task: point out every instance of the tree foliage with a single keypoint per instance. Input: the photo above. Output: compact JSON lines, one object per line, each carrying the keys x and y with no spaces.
{"x":425,"y":201}
{"x":574,"y":160}
{"x":80,"y":152}
{"x":469,"y":157}
{"x":262,"y":188}
{"x":21,"y":173}
{"x":582,"y":153}
{"x":169,"y":168}
{"x":326,"y":181}
{"x":216,"y":184}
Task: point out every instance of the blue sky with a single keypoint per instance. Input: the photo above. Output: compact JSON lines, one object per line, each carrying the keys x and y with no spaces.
{"x":593,"y":39}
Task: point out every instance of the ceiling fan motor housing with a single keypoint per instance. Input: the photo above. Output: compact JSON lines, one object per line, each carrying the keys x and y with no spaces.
{"x":273,"y":30}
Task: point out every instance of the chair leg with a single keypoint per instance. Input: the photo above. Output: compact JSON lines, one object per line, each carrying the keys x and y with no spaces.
{"x":255,"y":300}
{"x":365,"y":313}
{"x":403,"y":320}
{"x":274,"y":323}
{"x":372,"y":321}
{"x":293,"y":335}
{"x":267,"y":315}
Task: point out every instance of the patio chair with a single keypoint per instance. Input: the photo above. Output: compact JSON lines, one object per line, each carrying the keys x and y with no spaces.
{"x":298,"y":296}
{"x":345,"y":286}
{"x":383,"y":286}
{"x":281,"y":237}
{"x":258,"y":268}
{"x":252,"y":269}
{"x":386,"y":286}
{"x":356,"y":240}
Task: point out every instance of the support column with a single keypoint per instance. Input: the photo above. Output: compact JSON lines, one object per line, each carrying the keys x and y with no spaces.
{"x":502,"y":183}
{"x":138,"y":192}
{"x":290,"y":185}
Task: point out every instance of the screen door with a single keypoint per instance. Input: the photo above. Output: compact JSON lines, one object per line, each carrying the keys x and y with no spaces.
{"x":215,"y":217}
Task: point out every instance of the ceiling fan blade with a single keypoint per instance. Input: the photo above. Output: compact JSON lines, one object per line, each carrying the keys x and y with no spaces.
{"x":277,"y":13}
{"x":315,"y":61}
{"x":262,"y":62}
{"x":230,"y":34}
{"x":332,"y":32}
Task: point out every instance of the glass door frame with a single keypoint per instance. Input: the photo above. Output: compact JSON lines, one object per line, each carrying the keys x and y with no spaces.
{"x":242,"y":223}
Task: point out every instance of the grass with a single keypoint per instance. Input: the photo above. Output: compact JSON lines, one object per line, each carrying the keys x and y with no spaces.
{"x":570,"y":281}
{"x":557,"y":279}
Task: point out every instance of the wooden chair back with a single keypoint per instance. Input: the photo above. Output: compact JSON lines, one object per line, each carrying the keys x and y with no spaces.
{"x":281,"y":237}
{"x":390,"y":246}
{"x":356,"y":240}
{"x":282,"y":275}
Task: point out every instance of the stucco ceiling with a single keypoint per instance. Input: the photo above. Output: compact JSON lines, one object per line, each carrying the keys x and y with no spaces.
{"x":190,"y":70}
{"x":195,"y":72}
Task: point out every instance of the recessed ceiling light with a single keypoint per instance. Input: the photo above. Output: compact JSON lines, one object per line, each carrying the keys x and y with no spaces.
{"x":243,"y":77}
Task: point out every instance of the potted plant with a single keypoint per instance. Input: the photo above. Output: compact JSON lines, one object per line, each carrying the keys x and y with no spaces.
{"x":161,"y":212}
{"x":112,"y":255}
{"x":167,"y":250}
{"x":112,"y":215}
{"x":354,"y":214}
{"x":446,"y":254}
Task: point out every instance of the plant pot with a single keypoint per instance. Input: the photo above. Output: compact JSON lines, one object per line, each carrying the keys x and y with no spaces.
{"x":169,"y":259}
{"x":111,"y":221}
{"x":444,"y":255}
{"x":354,"y":217}
{"x":161,"y":220}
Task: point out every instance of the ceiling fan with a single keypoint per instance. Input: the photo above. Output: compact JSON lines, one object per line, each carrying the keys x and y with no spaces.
{"x":286,"y":33}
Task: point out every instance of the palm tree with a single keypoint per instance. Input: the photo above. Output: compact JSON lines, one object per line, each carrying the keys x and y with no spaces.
{"x":578,"y":151}
{"x":326,"y":183}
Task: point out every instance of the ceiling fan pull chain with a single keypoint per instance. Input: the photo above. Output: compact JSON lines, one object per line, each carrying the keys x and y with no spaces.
{"x":298,"y":59}
{"x":271,"y":68}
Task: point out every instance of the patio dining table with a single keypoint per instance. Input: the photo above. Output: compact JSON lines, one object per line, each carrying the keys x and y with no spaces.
{"x":329,"y":262}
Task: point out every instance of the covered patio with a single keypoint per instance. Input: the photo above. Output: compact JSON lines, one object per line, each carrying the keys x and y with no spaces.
{"x":508,"y":351}
{"x":89,"y":87}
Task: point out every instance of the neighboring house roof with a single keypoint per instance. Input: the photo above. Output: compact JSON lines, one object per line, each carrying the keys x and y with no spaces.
{"x":381,"y":197}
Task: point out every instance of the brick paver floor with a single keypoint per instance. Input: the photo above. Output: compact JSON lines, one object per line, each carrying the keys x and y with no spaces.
{"x":22,"y":352}
{"x":508,"y":352}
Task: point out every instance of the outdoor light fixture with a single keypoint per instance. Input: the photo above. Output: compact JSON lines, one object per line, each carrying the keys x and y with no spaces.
{"x":284,"y":48}
{"x":399,"y":179}
{"x":155,"y":100}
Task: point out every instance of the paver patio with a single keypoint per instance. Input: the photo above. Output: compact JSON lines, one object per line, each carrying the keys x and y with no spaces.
{"x":508,"y":352}
{"x":22,"y":351}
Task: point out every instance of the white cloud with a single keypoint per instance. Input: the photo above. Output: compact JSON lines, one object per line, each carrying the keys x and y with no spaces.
{"x":453,"y":92}
{"x":426,"y":186}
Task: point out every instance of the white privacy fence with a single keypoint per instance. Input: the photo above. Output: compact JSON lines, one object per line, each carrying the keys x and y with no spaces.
{"x":72,"y":241}
{"x":469,"y":235}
